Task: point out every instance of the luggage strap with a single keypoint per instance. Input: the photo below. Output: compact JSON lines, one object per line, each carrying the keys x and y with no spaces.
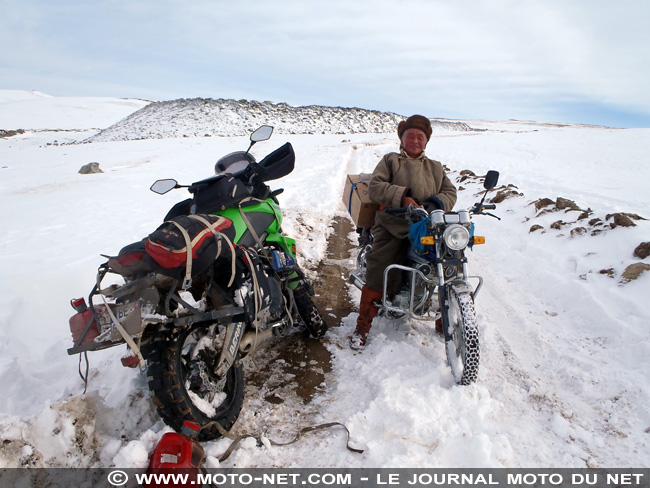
{"x":217,"y":237}
{"x":259,"y":438}
{"x":354,"y":185}
{"x":256,"y":237}
{"x":257,"y":294}
{"x":258,"y":241}
{"x":187,"y":282}
{"x":125,"y":335}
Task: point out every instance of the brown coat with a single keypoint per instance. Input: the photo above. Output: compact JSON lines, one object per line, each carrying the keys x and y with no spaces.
{"x":397,"y":176}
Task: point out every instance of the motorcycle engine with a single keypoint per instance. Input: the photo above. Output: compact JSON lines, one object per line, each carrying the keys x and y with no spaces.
{"x":270,"y":300}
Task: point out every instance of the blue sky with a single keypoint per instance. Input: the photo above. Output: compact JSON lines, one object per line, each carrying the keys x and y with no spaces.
{"x":581,"y":61}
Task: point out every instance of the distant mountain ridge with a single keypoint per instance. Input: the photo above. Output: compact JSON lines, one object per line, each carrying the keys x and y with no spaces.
{"x":206,"y":117}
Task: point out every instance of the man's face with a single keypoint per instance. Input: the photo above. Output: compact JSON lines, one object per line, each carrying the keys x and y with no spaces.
{"x":414,"y":141}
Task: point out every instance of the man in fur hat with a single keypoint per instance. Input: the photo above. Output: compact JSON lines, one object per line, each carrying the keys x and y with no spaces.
{"x":400,"y":179}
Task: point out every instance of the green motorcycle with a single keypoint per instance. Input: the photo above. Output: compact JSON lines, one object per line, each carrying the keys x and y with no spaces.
{"x":215,"y":282}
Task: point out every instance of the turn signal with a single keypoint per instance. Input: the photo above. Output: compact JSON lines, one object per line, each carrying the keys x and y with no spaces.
{"x":479,"y":240}
{"x":427,"y":241}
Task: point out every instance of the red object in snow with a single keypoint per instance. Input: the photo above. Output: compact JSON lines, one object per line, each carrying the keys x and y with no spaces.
{"x":178,"y":454}
{"x":130,"y":361}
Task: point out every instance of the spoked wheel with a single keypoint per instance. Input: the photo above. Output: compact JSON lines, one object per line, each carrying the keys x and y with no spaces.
{"x":461,"y":338}
{"x":184,"y":385}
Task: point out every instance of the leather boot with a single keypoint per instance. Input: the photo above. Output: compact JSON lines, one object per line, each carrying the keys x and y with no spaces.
{"x":367,"y":311}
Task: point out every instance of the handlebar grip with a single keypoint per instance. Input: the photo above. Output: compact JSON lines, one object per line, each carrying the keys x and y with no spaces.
{"x":491,"y":206}
{"x":400,"y":210}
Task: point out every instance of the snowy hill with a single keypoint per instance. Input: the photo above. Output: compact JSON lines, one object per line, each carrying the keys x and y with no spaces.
{"x":200,"y":117}
{"x":18,"y":95}
{"x":565,"y":343}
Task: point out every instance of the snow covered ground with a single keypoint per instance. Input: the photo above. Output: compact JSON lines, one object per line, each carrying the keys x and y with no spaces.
{"x":565,"y":349}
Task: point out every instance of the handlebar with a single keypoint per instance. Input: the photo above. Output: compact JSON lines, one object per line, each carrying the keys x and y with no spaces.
{"x":413,"y":211}
{"x":410,"y":211}
{"x":396,"y":211}
{"x":480,"y":209}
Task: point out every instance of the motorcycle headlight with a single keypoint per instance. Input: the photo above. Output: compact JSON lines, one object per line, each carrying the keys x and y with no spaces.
{"x":456,"y":237}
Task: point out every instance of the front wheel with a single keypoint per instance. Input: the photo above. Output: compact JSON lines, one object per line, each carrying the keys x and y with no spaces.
{"x":184,"y":385}
{"x":461,"y":336}
{"x":315,"y":325}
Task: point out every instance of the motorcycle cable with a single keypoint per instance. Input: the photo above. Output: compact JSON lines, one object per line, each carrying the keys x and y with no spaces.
{"x":84,"y":376}
{"x":260,"y":437}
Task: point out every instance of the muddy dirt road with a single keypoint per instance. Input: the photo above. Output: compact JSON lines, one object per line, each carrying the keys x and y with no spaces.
{"x":291,"y":371}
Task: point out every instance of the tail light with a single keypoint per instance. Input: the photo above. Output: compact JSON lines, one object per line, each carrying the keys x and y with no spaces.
{"x":128,"y":263}
{"x":79,"y":304}
{"x":129,"y":259}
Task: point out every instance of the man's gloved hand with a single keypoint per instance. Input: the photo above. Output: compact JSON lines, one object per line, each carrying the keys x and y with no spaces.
{"x":433,"y":203}
{"x":406,"y":201}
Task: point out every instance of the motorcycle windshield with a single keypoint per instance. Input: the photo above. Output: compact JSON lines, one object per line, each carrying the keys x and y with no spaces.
{"x":233,"y":164}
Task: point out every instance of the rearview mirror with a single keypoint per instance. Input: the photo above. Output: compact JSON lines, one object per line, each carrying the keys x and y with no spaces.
{"x":491,"y":179}
{"x":163,"y":186}
{"x":262,"y":134}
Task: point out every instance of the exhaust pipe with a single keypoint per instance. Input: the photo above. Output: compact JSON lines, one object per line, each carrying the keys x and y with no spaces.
{"x":356,"y":280}
{"x":256,"y":339}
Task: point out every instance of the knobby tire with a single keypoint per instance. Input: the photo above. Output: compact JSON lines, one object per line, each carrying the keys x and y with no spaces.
{"x":463,"y":351}
{"x":168,"y":374}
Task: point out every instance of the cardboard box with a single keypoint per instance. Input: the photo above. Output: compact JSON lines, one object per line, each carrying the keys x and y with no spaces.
{"x":358,"y":203}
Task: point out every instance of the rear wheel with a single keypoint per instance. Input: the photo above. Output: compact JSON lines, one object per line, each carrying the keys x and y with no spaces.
{"x":461,"y":337}
{"x":184,"y":385}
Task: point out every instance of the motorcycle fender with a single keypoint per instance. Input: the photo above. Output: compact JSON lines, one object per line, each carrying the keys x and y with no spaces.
{"x":234,"y":333}
{"x":461,"y":287}
{"x":136,"y":288}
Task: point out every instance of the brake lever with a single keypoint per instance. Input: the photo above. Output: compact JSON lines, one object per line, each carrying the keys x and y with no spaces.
{"x":491,"y":215}
{"x":417,"y":211}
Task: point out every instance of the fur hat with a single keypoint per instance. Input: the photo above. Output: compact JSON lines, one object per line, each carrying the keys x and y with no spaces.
{"x":415,"y":122}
